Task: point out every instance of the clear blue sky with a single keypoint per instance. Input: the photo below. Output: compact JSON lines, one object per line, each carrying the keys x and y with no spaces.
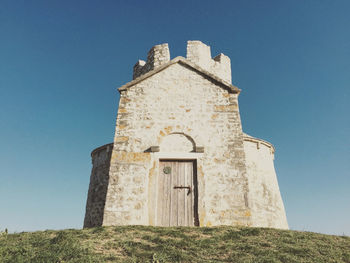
{"x":61,"y":62}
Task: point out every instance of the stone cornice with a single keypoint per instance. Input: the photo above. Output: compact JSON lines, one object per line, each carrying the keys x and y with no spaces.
{"x":249,"y":138}
{"x":101,"y":148}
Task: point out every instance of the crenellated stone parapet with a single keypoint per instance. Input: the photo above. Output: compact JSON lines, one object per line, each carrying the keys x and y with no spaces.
{"x":157,"y":56}
{"x":197,"y":52}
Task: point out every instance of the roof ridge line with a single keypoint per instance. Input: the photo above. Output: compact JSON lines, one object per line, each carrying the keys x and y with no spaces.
{"x":231,"y":88}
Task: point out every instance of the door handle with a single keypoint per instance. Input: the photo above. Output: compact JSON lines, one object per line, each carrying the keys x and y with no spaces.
{"x":184,"y":187}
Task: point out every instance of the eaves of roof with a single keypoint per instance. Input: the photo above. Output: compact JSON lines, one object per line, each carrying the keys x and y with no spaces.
{"x":181,"y":60}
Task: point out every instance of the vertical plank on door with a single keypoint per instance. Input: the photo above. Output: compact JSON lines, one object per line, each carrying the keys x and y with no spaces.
{"x":181,"y":193}
{"x":170,"y":182}
{"x":185,"y":194}
{"x":160,"y":195}
{"x":174,"y":201}
{"x":190,"y":197}
{"x":164,"y":196}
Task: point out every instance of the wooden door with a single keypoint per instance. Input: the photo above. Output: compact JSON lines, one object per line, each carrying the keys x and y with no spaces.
{"x":176,"y":194}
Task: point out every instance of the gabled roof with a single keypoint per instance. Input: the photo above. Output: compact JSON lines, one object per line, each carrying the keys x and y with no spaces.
{"x":181,"y":60}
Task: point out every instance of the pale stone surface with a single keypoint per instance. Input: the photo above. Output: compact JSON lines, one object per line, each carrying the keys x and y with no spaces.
{"x":177,"y":142}
{"x":189,"y":109}
{"x":266,"y":202}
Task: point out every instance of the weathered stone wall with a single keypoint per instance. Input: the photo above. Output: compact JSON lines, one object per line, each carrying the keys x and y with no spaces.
{"x":266,"y":202}
{"x":98,"y":185}
{"x":178,"y":100}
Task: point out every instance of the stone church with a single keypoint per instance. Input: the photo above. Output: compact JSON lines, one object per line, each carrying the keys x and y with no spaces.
{"x":179,"y":156}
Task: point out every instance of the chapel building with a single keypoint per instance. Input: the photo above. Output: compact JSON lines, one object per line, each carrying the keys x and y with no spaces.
{"x":179,"y":156}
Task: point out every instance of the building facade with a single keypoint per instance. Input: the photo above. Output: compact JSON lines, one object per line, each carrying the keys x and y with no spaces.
{"x":179,"y":156}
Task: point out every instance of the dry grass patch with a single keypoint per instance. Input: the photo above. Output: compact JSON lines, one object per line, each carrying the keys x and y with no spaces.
{"x":173,"y":244}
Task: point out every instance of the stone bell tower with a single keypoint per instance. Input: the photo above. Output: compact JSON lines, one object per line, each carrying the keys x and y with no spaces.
{"x":179,"y":156}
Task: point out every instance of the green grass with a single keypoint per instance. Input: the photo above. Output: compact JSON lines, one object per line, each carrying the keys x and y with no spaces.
{"x":175,"y":244}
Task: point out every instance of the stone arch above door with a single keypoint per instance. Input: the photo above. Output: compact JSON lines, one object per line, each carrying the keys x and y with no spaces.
{"x":177,"y":142}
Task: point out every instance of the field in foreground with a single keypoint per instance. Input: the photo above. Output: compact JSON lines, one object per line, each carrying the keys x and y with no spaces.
{"x":176,"y":244}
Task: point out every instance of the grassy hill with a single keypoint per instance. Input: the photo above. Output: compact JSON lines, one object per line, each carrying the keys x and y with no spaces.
{"x":180,"y":244}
